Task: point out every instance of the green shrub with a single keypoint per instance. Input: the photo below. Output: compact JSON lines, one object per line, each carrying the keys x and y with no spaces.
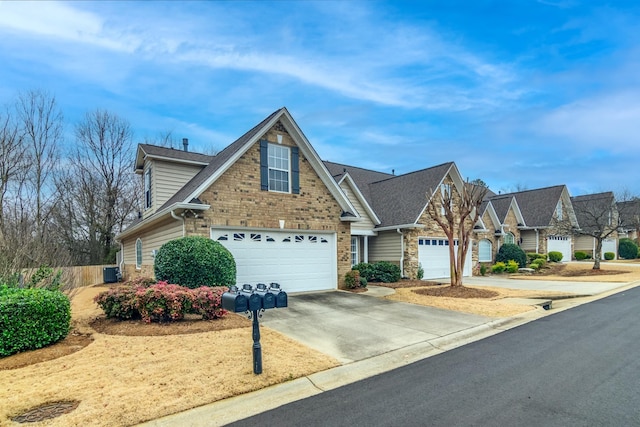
{"x":32,"y":318}
{"x":498,"y":267}
{"x":363,"y":282}
{"x":420,"y":273}
{"x":532,"y":256}
{"x":555,"y":256}
{"x":535,"y":266}
{"x":627,"y":249}
{"x":609,"y":256}
{"x":387,"y":272}
{"x":483,"y":269}
{"x":580,"y":255}
{"x":538,"y":263}
{"x":366,"y":270}
{"x":194,"y":262}
{"x":512,"y":266}
{"x":45,"y":277}
{"x":381,"y":271}
{"x":119,"y":302}
{"x":510,"y":251}
{"x":352,"y":279}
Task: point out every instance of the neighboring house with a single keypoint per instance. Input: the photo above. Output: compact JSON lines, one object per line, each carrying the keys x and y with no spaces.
{"x":597,"y":215}
{"x":396,"y":226}
{"x":630,"y":219}
{"x":534,"y":213}
{"x":267,"y":197}
{"x":501,"y":222}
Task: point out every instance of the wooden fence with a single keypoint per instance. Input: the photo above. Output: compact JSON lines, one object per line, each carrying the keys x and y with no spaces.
{"x":78,"y":276}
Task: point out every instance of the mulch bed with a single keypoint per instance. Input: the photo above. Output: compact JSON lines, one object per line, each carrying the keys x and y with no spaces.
{"x":457,"y":292}
{"x":552,"y":269}
{"x":73,"y":342}
{"x":138,"y":328}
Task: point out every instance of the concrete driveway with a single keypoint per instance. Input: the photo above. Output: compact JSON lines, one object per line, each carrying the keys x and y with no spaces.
{"x":352,"y":327}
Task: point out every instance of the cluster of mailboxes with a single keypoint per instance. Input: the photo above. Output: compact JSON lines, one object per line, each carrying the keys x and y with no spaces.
{"x":249,"y":298}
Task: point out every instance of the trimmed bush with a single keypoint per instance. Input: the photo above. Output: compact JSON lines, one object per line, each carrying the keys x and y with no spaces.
{"x":194,"y":262}
{"x":161,"y":302}
{"x":512,"y":266}
{"x":609,"y":256}
{"x":580,"y":255}
{"x":535,"y":266}
{"x":539,"y":263}
{"x":352,"y":279}
{"x":498,"y":267}
{"x":363,"y":282}
{"x":381,"y":271}
{"x":32,"y":319}
{"x":483,"y":269}
{"x":532,"y":256}
{"x":510,"y":251}
{"x":627,"y":249}
{"x":555,"y":256}
{"x":420,"y":273}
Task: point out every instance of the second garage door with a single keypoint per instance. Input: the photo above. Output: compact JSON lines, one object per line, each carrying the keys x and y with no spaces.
{"x":298,"y":261}
{"x":433,"y":255}
{"x":560,"y":244}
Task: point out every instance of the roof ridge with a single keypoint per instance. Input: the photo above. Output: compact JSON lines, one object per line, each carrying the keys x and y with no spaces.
{"x":413,"y":172}
{"x":533,"y":189}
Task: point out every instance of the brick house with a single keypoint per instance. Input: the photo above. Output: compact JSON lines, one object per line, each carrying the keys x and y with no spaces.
{"x":267,"y":197}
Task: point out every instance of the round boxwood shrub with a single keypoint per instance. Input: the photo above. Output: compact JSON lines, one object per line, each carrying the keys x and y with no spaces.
{"x":580,"y":255}
{"x":32,"y":319}
{"x":555,"y":256}
{"x":609,"y":256}
{"x":627,"y":249}
{"x":510,"y":251}
{"x":194,"y":262}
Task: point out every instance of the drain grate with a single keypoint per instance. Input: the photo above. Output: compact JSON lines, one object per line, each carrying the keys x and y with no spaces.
{"x":46,"y":411}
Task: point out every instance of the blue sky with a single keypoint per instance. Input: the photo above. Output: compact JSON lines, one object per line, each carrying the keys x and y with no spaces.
{"x":521,"y":94}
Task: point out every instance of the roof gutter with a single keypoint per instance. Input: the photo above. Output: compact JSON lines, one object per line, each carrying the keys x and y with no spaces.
{"x":179,"y":218}
{"x":160,"y":216}
{"x":398,"y":227}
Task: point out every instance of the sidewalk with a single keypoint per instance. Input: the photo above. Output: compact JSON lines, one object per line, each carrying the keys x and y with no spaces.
{"x":243,"y":406}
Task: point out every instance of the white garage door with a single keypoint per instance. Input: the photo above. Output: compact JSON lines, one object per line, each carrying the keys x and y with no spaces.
{"x":560,"y":244}
{"x":297,"y":261}
{"x":433,"y":255}
{"x":609,"y":245}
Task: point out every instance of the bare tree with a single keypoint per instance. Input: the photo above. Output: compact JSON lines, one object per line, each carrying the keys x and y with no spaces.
{"x":598,"y":217}
{"x":98,"y":183}
{"x":41,"y":124}
{"x":457,"y":215}
{"x":12,"y":158}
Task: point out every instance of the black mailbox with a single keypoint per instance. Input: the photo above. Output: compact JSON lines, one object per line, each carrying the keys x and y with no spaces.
{"x":237,"y":303}
{"x":281,"y":296}
{"x":255,"y":302}
{"x":268,"y":298}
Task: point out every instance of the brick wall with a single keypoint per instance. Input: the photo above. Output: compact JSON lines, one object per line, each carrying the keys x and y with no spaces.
{"x":236,"y":200}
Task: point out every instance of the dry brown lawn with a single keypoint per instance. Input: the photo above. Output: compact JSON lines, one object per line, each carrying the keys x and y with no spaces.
{"x":125,"y":380}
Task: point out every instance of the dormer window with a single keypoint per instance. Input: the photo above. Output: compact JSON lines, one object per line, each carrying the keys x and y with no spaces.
{"x":147,"y":188}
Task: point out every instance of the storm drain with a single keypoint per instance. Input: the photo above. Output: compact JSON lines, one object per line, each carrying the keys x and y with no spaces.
{"x":46,"y":411}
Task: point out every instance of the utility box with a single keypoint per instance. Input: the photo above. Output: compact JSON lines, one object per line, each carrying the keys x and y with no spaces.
{"x":110,"y":274}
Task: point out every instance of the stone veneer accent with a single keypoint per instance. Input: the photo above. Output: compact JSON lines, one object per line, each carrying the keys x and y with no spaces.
{"x":429,"y":228}
{"x":236,"y":200}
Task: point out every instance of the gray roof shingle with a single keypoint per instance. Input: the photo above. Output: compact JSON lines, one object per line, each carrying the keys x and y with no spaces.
{"x":593,"y":210}
{"x":537,"y":206}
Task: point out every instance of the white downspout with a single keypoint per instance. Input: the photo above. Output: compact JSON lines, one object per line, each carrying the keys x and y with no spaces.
{"x":176,"y":217}
{"x":537,"y":241}
{"x":401,"y":251}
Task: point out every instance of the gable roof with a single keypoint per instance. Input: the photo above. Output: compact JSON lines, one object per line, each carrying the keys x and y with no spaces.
{"x":361,"y":177}
{"x":629,"y":211}
{"x":538,"y":206}
{"x":592,"y":209}
{"x":402,"y":199}
{"x":149,"y":151}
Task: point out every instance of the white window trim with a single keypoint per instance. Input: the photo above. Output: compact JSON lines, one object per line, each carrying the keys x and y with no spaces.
{"x":490,"y":245}
{"x":274,"y":168}
{"x":355,"y":254}
{"x":147,"y":188}
{"x":138,"y":254}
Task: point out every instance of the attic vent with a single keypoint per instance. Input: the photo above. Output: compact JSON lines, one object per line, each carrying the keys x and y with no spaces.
{"x":185,"y":144}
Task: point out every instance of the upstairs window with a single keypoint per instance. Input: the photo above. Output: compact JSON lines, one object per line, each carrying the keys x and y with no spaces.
{"x":279,"y":169}
{"x":147,"y":188}
{"x":509,"y":238}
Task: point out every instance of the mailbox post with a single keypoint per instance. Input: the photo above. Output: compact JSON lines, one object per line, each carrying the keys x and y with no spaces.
{"x":253,"y":302}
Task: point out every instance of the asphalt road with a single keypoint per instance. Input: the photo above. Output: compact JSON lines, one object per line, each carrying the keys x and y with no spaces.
{"x":579,"y":367}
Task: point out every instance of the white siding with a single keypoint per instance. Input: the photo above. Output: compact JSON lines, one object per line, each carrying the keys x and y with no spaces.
{"x":169,"y":178}
{"x":366,"y":223}
{"x":386,"y":246}
{"x":528,"y":240}
{"x":151,"y":240}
